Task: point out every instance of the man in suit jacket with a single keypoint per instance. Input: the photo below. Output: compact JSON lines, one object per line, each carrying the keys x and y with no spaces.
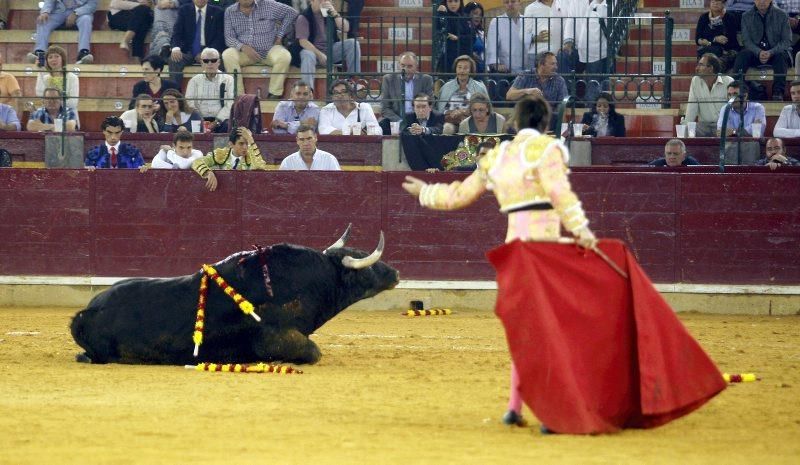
{"x":112,"y":153}
{"x":187,"y":44}
{"x":423,"y":121}
{"x":393,"y":103}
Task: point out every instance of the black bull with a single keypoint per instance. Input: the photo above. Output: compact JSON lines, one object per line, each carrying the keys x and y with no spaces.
{"x":151,"y":321}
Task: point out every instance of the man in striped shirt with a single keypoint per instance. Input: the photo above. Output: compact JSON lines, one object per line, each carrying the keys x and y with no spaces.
{"x":254,"y":30}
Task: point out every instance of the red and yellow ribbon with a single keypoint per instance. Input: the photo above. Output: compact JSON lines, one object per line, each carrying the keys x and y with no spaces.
{"x":244,"y":368}
{"x":199,"y":323}
{"x":740,"y":377}
{"x":431,"y":312}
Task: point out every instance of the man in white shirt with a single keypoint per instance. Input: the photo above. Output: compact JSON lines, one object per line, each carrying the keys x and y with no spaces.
{"x":344,"y":111}
{"x":707,"y":95}
{"x":504,"y":51}
{"x":543,"y":22}
{"x":309,"y":157}
{"x":179,"y":156}
{"x":788,"y":124}
{"x":211,"y":92}
{"x":587,"y":32}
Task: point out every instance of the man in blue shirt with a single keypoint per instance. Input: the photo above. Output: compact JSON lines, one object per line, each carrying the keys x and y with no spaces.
{"x":740,"y":122}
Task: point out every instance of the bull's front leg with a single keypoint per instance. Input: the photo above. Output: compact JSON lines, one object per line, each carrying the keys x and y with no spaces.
{"x":287,"y":345}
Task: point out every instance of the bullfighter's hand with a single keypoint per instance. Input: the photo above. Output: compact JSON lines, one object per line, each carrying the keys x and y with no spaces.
{"x":248,"y":136}
{"x":586,"y":239}
{"x":211,"y":181}
{"x":414,"y":185}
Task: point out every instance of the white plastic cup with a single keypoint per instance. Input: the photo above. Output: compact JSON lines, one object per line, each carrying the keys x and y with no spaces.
{"x":756,"y":130}
{"x":59,"y":124}
{"x":395,"y":126}
{"x":346,"y":130}
{"x":691,"y":128}
{"x":196,"y":126}
{"x":577,"y":130}
{"x":355,"y":129}
{"x":680,"y":130}
{"x":374,"y":130}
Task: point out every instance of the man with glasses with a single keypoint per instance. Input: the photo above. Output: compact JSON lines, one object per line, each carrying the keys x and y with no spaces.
{"x":776,"y":155}
{"x":344,"y":111}
{"x":211,"y":92}
{"x":188,"y":40}
{"x":707,"y":95}
{"x":113,"y":153}
{"x":253,"y":33}
{"x":44,"y":118}
{"x":394,"y":104}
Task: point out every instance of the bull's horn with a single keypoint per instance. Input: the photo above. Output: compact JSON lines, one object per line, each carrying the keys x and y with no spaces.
{"x":371,"y":259}
{"x":342,"y":240}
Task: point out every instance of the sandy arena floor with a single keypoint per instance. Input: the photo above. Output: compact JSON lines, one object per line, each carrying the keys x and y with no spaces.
{"x":389,"y":390}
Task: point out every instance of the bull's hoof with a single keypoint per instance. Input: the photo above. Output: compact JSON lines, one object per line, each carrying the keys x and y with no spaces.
{"x":513,"y":418}
{"x":83,"y":358}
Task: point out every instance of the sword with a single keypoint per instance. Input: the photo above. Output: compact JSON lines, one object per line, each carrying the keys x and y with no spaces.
{"x":600,"y":253}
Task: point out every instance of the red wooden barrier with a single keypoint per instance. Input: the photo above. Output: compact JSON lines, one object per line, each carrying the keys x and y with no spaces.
{"x":690,"y":226}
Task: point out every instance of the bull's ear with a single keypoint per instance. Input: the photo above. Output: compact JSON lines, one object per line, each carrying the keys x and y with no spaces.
{"x":342,"y":240}
{"x":371,"y":259}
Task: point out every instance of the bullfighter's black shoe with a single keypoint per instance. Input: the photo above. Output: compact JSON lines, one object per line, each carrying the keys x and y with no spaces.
{"x":513,"y":418}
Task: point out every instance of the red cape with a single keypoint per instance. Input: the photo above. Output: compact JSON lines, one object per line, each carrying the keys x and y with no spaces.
{"x":596,"y":352}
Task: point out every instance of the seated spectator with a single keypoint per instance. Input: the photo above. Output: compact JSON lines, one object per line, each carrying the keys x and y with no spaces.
{"x":354,"y":8}
{"x":142,"y":118}
{"x":451,"y":24}
{"x":9,"y":88}
{"x":300,"y":110}
{"x":455,"y":94}
{"x":423,"y":120}
{"x":135,"y":17}
{"x":152,"y":84}
{"x":674,"y":155}
{"x":54,"y":14}
{"x":483,"y":119}
{"x":309,"y":157}
{"x":252,"y":42}
{"x":775,"y":155}
{"x":43,"y":119}
{"x":242,"y":153}
{"x":188,"y":41}
{"x":767,"y":40}
{"x":397,"y":93}
{"x":788,"y":124}
{"x":474,"y":11}
{"x":716,"y":33}
{"x":176,"y":115}
{"x":180,"y":155}
{"x":53,"y":77}
{"x":504,"y":52}
{"x":792,"y":10}
{"x":165,"y":15}
{"x":740,"y":121}
{"x":543,"y":81}
{"x":309,"y":29}
{"x":603,"y":119}
{"x":8,"y":118}
{"x":113,"y":153}
{"x":211,"y":92}
{"x":344,"y":110}
{"x":708,"y":93}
